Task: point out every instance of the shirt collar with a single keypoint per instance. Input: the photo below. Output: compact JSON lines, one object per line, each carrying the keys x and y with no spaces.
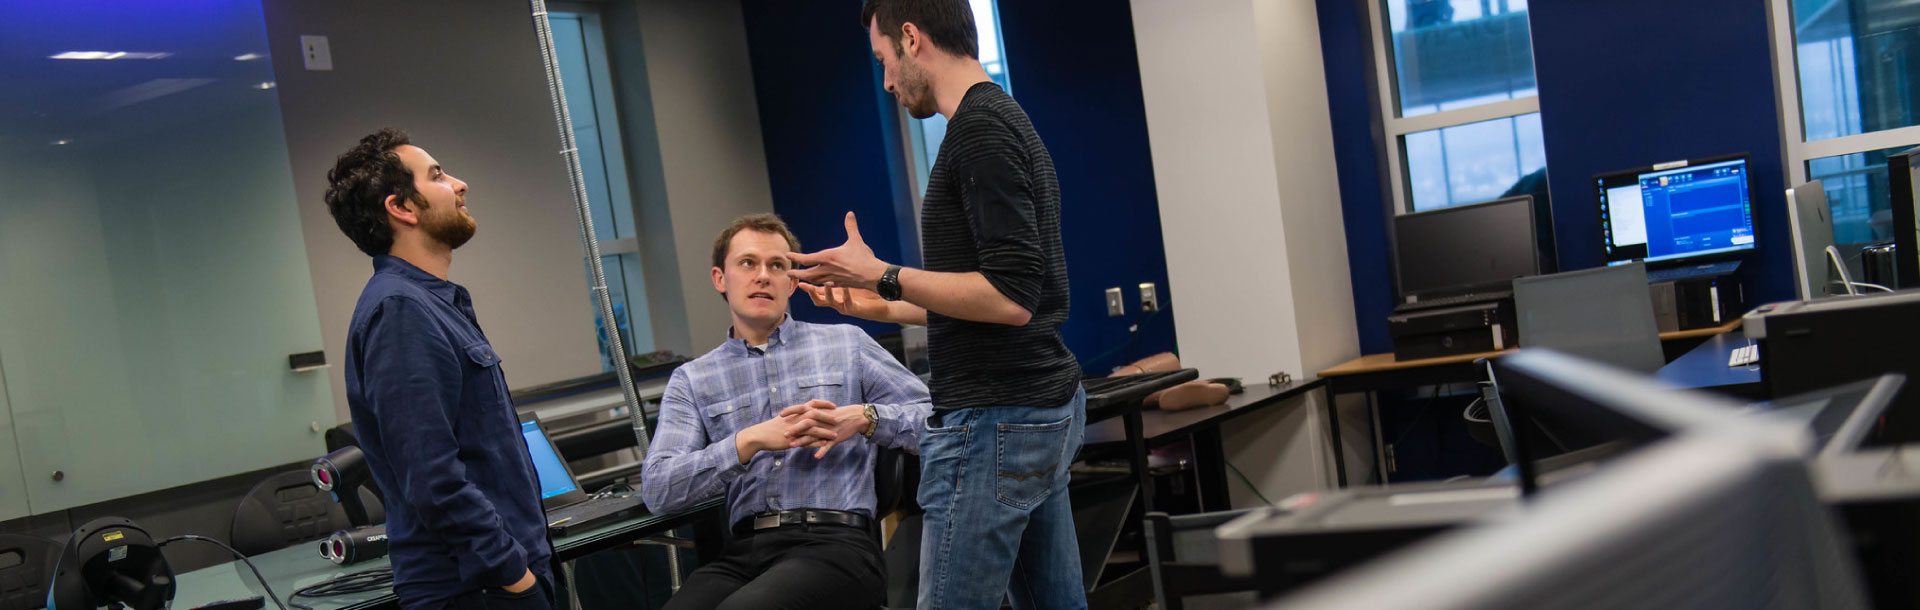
{"x":447,"y":291}
{"x":779,"y":336}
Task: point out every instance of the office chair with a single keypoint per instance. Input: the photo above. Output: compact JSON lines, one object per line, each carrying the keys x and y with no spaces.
{"x":1604,"y":314}
{"x":26,"y":566}
{"x":1175,"y":544}
{"x":896,"y":487}
{"x":286,"y":509}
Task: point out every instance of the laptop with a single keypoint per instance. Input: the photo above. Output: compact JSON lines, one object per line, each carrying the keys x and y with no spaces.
{"x":570,"y":510}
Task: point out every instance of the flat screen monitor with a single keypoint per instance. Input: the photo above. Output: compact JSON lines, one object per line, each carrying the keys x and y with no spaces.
{"x":1465,"y":249}
{"x":1675,"y":211}
{"x":1812,"y":234}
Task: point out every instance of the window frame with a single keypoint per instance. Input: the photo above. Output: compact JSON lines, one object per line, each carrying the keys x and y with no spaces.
{"x":1796,"y":150}
{"x":1395,"y":128}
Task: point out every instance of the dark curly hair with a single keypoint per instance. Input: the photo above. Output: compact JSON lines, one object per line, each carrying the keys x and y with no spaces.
{"x":948,"y":23}
{"x":358,"y":186}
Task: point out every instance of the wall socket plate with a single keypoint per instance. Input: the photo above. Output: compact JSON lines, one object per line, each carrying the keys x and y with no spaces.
{"x":1115,"y":306}
{"x":1149,"y":298}
{"x":314,"y":52}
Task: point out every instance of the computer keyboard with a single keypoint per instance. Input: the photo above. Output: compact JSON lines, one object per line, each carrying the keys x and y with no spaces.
{"x":1107,"y":391}
{"x":1692,"y":271}
{"x":593,"y":512}
{"x":1744,"y":356}
{"x":1477,"y":297}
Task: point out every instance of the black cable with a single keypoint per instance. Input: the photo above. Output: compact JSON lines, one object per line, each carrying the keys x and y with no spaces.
{"x":1249,"y":482}
{"x":376,"y":579}
{"x":238,"y":554}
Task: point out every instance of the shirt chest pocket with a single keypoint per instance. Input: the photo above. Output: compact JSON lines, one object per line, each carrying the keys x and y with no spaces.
{"x":729,"y":416}
{"x":830,"y":388}
{"x":485,"y":382}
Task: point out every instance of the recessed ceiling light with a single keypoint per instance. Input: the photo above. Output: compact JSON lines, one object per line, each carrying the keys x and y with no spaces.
{"x":264,"y":86}
{"x":108,"y":55}
{"x":247,"y":57}
{"x":62,"y":142}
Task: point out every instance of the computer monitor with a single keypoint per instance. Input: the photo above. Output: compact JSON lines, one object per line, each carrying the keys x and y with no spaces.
{"x":1465,"y":249}
{"x":1904,"y":187}
{"x":1675,"y":211}
{"x":1812,"y":220}
{"x":1705,"y":520}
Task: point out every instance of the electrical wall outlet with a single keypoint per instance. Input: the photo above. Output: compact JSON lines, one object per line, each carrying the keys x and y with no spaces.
{"x":313,"y":49}
{"x":1149,"y":298}
{"x":1115,"y":306}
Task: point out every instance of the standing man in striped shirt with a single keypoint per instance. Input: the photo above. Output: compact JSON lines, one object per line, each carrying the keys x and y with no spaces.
{"x":757,"y":419}
{"x":1008,"y":410}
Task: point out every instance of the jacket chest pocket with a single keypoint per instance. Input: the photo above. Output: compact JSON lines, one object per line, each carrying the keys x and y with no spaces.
{"x":486,"y":390}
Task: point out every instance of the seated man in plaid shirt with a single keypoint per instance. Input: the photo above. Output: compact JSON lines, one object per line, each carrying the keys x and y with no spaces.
{"x":757,"y":418}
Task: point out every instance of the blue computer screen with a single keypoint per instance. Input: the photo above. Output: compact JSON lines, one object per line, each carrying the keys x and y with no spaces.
{"x":1676,"y":213}
{"x":554,"y":479}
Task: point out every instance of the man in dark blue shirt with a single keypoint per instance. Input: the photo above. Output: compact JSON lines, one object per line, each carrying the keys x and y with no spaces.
{"x":428,"y":399}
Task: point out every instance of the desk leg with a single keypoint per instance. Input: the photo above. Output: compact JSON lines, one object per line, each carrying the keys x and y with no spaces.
{"x":1333,"y":425}
{"x":1137,"y":454}
{"x":573,"y":593}
{"x":1210,"y":470}
{"x":1379,"y":444}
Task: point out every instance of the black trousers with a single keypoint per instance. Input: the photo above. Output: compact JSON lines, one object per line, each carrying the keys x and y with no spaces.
{"x":808,"y":566}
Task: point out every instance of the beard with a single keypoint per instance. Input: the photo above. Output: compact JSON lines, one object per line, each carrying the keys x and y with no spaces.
{"x":449,"y":226}
{"x":916,"y":91}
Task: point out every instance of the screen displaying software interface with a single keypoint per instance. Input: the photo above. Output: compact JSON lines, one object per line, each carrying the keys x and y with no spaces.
{"x":1676,"y":213}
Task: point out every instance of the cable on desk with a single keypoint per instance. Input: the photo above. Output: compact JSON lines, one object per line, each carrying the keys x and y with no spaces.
{"x":376,"y":579}
{"x":1249,"y":482}
{"x":243,"y":559}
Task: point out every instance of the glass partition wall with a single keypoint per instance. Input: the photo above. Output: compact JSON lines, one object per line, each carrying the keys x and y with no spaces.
{"x":153,"y":274}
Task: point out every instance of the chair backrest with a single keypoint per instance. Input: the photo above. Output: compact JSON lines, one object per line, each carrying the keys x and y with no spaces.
{"x":284,"y":510}
{"x":26,"y":566}
{"x":1183,"y":558}
{"x":1603,"y":314}
{"x":896,"y":482}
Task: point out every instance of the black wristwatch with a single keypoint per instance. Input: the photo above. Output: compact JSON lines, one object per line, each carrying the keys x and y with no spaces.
{"x":889,"y":286}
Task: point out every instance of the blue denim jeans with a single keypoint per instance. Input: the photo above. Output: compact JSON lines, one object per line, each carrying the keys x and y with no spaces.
{"x":994,"y":484}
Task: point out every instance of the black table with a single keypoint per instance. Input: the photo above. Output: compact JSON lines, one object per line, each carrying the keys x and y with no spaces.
{"x":293,"y":568}
{"x":1159,"y":428}
{"x":1705,"y":367}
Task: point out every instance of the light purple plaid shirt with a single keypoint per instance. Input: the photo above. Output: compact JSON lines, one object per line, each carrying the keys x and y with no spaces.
{"x":735,"y":386}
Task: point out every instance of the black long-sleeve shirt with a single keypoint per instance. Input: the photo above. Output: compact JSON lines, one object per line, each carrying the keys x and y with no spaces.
{"x":993,"y":206}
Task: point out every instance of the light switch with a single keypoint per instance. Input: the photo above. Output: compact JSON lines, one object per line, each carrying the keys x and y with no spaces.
{"x":314,"y":50}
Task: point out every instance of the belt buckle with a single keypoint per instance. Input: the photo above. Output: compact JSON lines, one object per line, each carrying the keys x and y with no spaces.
{"x":766,"y":521}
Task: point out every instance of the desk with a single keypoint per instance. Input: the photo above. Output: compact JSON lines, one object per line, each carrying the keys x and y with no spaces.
{"x":1376,"y":372}
{"x":1705,"y":367}
{"x":299,"y":566}
{"x":1160,"y":428}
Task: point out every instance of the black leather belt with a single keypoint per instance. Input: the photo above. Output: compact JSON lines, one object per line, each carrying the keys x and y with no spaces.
{"x":806,"y":516}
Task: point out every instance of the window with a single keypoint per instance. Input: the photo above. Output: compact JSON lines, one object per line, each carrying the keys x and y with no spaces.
{"x":580,"y":48}
{"x":1846,"y":70}
{"x":926,"y":134}
{"x":1463,"y":114}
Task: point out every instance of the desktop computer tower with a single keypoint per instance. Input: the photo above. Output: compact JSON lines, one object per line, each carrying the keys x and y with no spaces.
{"x":1811,"y":345}
{"x":1691,"y":303}
{"x":1467,"y":329}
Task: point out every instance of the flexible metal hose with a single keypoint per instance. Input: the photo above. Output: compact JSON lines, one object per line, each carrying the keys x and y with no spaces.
{"x":577,"y":179}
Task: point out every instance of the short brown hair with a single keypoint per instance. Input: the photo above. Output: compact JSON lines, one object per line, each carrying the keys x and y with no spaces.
{"x":764,"y":223}
{"x":948,"y":23}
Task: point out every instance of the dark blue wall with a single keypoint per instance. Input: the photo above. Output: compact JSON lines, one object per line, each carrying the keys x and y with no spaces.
{"x":1073,"y":66}
{"x":1630,"y":83}
{"x":1345,"y":49}
{"x":1623,"y":84}
{"x":831,"y":146}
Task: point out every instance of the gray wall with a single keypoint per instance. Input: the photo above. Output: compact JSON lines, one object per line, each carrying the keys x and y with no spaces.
{"x":693,"y":132}
{"x":463,"y":77}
